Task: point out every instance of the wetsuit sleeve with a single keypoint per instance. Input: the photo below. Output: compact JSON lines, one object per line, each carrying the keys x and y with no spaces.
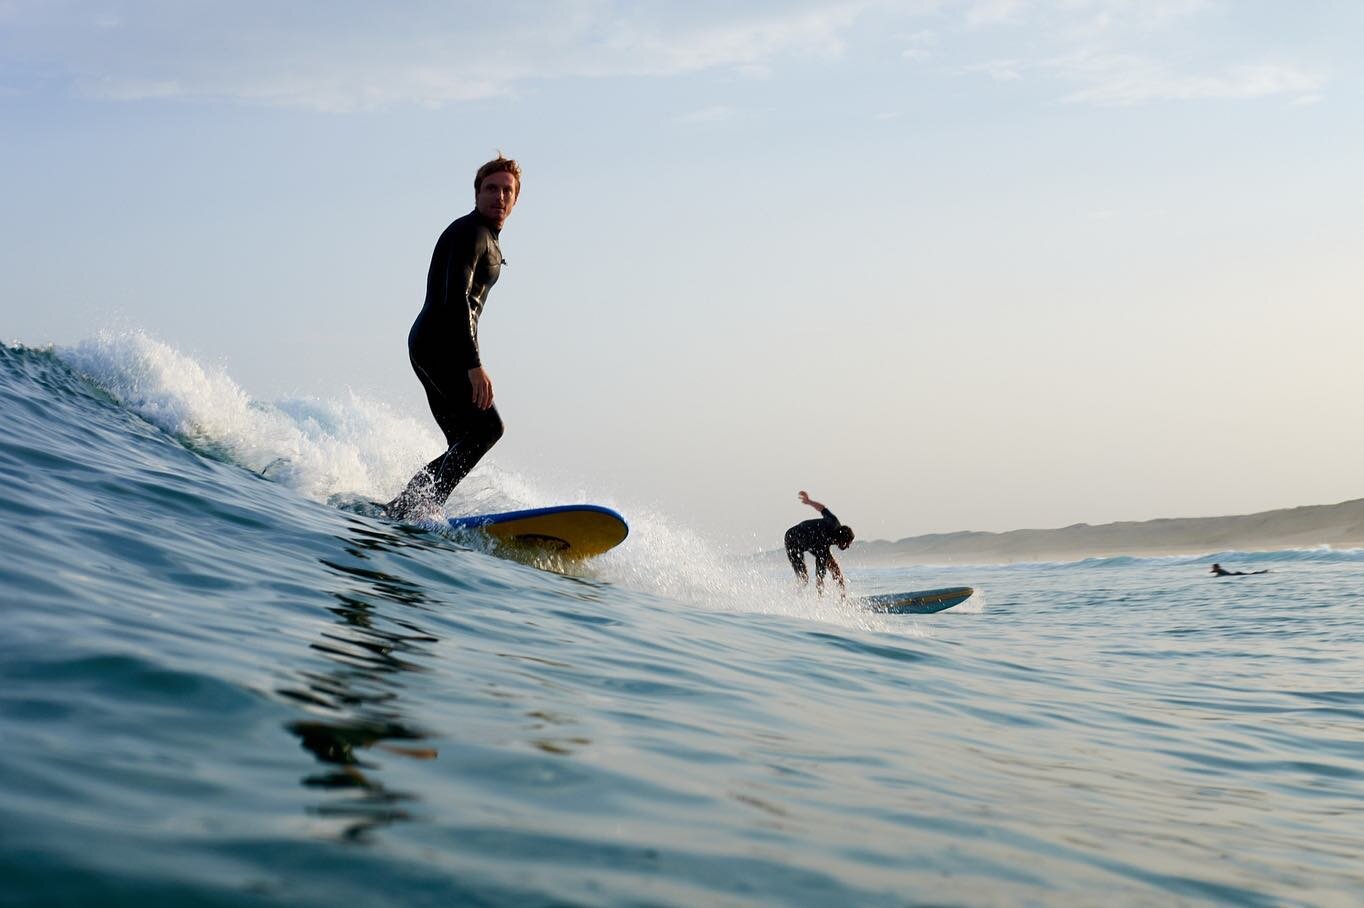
{"x":461,"y":261}
{"x":828,"y":529}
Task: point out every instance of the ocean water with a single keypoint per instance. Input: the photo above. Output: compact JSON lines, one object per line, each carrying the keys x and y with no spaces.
{"x":220,"y":685}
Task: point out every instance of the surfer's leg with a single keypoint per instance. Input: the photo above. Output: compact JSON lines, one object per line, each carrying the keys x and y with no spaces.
{"x":796,"y":556}
{"x":821,"y":568}
{"x":469,"y":434}
{"x":414,"y":497}
{"x":481,"y":430}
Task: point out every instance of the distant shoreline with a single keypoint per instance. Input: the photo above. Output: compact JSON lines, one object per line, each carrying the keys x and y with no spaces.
{"x":1335,"y":525}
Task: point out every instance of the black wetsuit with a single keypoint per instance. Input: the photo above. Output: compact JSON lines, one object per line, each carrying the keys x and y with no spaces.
{"x":443,"y":347}
{"x":815,"y":537}
{"x":1223,"y":572}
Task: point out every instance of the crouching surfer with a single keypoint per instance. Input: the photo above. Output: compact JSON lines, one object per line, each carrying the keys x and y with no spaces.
{"x":815,"y":536}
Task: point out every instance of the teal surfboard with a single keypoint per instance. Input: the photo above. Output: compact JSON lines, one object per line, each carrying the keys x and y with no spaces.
{"x":918,"y":602}
{"x":572,"y":531}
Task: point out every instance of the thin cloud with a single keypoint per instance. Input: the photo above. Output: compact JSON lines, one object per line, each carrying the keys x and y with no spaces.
{"x":1000,"y":70}
{"x":347,"y":55}
{"x":1122,"y":52}
{"x":1090,"y":19}
{"x":1081,"y":18}
{"x":647,"y":49}
{"x":351,"y":55}
{"x":132,"y":89}
{"x":919,"y":46}
{"x":982,"y":13}
{"x":1128,"y":80}
{"x":706,"y":115}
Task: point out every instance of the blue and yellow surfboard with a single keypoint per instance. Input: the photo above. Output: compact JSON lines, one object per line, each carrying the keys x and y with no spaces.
{"x":572,"y":531}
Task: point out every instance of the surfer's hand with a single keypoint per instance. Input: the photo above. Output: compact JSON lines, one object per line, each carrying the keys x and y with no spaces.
{"x":804,"y":497}
{"x":483,"y":388}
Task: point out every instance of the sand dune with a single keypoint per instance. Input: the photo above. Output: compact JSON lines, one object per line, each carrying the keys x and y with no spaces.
{"x":1337,"y":525}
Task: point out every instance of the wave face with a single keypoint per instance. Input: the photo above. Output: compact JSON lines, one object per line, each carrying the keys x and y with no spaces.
{"x":220,"y":684}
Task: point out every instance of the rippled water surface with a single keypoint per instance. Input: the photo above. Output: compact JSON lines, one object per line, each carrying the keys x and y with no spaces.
{"x":217,"y":687}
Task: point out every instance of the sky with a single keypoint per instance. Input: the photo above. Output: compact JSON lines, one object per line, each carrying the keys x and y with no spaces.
{"x":947,"y":264}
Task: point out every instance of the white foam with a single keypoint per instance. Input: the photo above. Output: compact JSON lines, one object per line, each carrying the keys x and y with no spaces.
{"x":321,"y":448}
{"x":680,"y":565}
{"x":359,"y":448}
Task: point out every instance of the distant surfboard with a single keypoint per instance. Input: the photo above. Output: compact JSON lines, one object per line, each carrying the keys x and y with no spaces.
{"x":918,"y":602}
{"x":568,"y":531}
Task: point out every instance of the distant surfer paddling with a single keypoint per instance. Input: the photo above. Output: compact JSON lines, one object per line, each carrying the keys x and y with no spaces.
{"x":443,"y":342}
{"x":815,"y":537}
{"x":1219,"y":571}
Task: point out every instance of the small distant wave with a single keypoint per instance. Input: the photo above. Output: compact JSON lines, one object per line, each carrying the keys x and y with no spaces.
{"x":1321,"y":554}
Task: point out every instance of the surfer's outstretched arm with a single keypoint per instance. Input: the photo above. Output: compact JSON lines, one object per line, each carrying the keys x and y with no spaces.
{"x":806,"y":499}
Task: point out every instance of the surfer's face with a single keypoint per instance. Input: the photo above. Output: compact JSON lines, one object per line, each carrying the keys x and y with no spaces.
{"x":496,"y":197}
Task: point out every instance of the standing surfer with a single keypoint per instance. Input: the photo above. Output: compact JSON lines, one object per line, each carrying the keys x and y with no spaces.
{"x":443,"y":342}
{"x":815,"y":537}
